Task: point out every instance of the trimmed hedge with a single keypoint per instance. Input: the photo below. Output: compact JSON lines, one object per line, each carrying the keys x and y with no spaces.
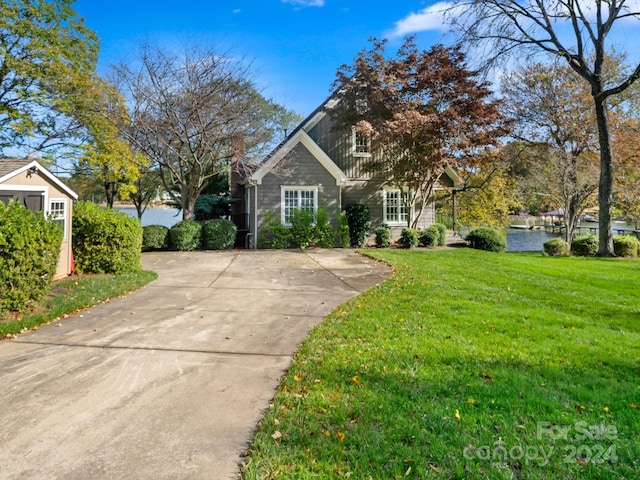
{"x":585,"y":245}
{"x":359,"y":220}
{"x":219,"y":234}
{"x":442,"y":234}
{"x":430,"y":237}
{"x":626,"y":246}
{"x":29,"y":252}
{"x":408,"y":238}
{"x":383,"y":236}
{"x":556,"y":247}
{"x":487,"y":238}
{"x":105,"y":240}
{"x":186,"y":235}
{"x":155,"y":237}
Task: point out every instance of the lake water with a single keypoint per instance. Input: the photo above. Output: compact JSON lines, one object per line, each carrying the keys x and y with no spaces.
{"x":521,"y":240}
{"x":166,"y":217}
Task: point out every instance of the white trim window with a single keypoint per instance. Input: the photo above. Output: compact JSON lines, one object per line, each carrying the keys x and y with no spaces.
{"x":298,"y":198}
{"x":361,"y":143}
{"x":395,"y":211}
{"x":58,"y":213}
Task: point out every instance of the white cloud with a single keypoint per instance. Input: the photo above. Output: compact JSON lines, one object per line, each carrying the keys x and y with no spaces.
{"x":305,"y":3}
{"x":431,"y":18}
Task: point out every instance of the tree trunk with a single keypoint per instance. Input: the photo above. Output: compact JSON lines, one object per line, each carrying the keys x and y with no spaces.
{"x":110,"y":190}
{"x":605,"y":187}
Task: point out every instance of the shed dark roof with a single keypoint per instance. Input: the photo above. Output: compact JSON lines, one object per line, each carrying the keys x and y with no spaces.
{"x":8,"y":165}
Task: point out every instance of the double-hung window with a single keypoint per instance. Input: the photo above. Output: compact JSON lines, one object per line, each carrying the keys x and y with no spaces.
{"x":361,"y":144}
{"x":298,"y":198}
{"x":58,"y":213}
{"x":395,"y":211}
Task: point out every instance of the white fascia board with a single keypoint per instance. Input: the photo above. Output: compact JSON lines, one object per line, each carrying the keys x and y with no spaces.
{"x":451,"y":173}
{"x":41,"y":171}
{"x":300,"y":137}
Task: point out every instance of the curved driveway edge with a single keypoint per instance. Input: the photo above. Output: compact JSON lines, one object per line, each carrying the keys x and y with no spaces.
{"x":171,"y":380}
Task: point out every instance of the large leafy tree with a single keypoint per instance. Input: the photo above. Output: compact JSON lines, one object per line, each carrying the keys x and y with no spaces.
{"x":190,"y":114}
{"x":106,"y":154}
{"x":424,"y":111}
{"x":47,"y":55}
{"x":552,"y":107}
{"x":576,"y":31}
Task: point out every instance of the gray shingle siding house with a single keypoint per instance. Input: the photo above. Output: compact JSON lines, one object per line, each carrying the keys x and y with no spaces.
{"x":317,"y":166}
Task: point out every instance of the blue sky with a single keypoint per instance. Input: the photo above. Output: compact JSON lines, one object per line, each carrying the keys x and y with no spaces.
{"x":295,"y":45}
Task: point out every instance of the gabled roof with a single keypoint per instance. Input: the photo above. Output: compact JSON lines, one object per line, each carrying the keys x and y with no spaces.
{"x":10,"y":167}
{"x":299,"y":135}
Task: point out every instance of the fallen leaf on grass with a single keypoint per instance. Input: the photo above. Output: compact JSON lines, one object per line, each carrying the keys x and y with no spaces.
{"x":457,"y":414}
{"x":276,"y":435}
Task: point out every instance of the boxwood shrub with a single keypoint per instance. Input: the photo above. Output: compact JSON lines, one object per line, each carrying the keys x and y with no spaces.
{"x":487,"y":238}
{"x":626,"y":246}
{"x":408,"y":238}
{"x":556,"y":247}
{"x":155,"y":237}
{"x":186,"y":235}
{"x":359,"y":220}
{"x":105,"y":240}
{"x":383,"y":236}
{"x":442,"y":234}
{"x":430,"y":237}
{"x":29,"y":251}
{"x":585,"y":245}
{"x":218,"y":234}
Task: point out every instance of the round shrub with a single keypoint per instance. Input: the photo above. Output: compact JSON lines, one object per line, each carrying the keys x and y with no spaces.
{"x":430,"y":237}
{"x":219,"y":234}
{"x":105,"y":240}
{"x":186,"y":235}
{"x":408,"y":238}
{"x":155,"y":237}
{"x":29,"y":251}
{"x":487,"y":238}
{"x":442,"y":234}
{"x":556,"y":247}
{"x":359,"y":220}
{"x":585,"y":245}
{"x":383,"y":236}
{"x":626,"y":246}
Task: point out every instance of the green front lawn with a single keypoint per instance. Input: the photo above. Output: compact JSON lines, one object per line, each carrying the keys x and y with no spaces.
{"x":467,"y":364}
{"x":72,"y":295}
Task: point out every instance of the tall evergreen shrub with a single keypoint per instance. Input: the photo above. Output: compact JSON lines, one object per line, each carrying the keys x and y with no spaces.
{"x":29,"y":252}
{"x":105,"y":240}
{"x":359,"y":220}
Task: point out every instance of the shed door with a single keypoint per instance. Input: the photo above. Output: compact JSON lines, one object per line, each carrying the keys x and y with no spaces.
{"x":34,"y":201}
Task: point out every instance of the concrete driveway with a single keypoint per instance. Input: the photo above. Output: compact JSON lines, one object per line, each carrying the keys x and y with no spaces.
{"x":170,"y":381}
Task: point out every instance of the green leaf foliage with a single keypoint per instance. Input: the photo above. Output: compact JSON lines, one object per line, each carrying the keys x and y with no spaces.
{"x":155,"y":237}
{"x":487,"y":238}
{"x":430,"y":237}
{"x":556,"y":247}
{"x":47,"y":56}
{"x":359,"y":220}
{"x":186,"y":235}
{"x":383,"y":236}
{"x":408,"y":238}
{"x":585,"y":245}
{"x":29,"y":251}
{"x":626,"y":246}
{"x":105,"y":240}
{"x":442,"y":234}
{"x":219,"y":234}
